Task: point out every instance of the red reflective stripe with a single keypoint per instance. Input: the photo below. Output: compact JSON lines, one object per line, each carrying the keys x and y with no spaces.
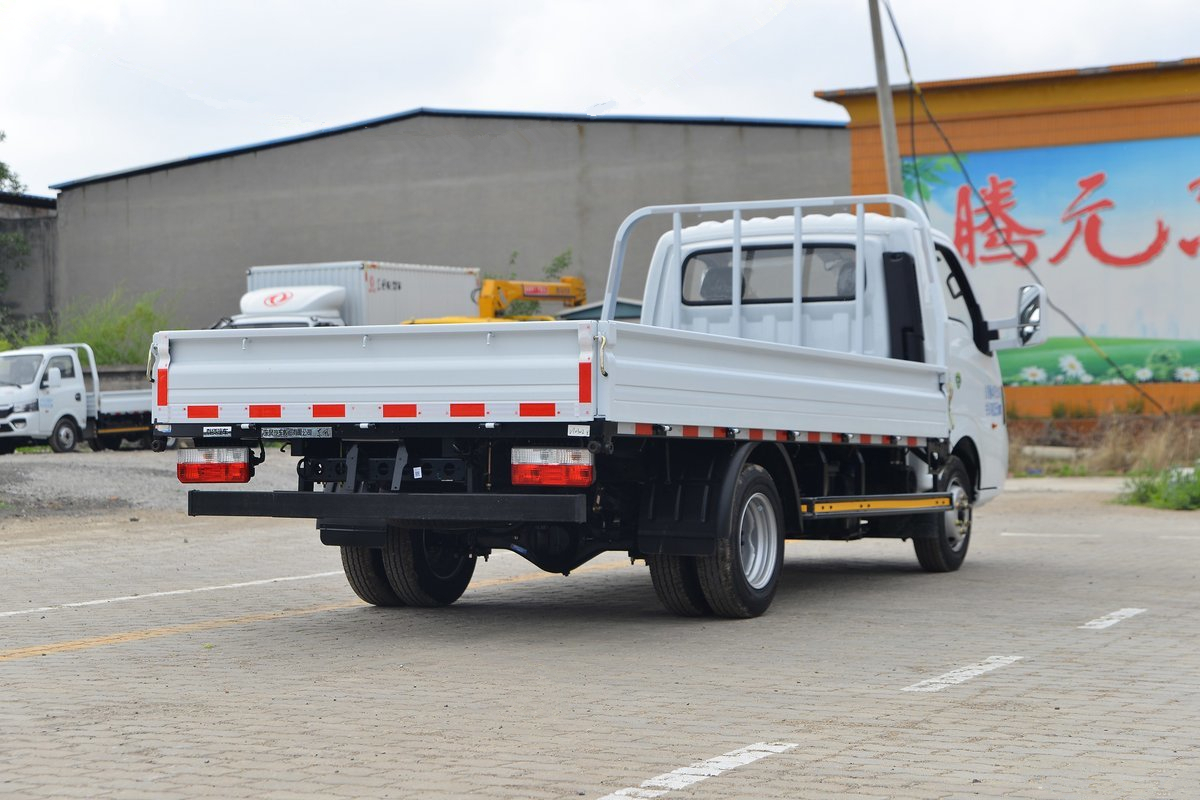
{"x":691,"y":430}
{"x":537,"y":409}
{"x":329,"y":409}
{"x":781,"y":436}
{"x":467,"y":409}
{"x":267,"y":411}
{"x":814,"y":437}
{"x":202,"y":412}
{"x":864,"y":438}
{"x":585,"y":381}
{"x":393,"y":410}
{"x":643,"y":429}
{"x":162,"y":386}
{"x":756,"y":434}
{"x":912,"y":441}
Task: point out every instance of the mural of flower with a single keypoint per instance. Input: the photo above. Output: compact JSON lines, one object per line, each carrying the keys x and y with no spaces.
{"x":1144,"y":374}
{"x":1086,"y":378}
{"x":1033,"y":374}
{"x":1071,"y":366}
{"x":1187,"y":374}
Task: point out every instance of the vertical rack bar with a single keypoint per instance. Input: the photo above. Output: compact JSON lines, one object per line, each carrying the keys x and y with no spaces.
{"x":860,"y":322}
{"x":736,"y":300}
{"x":676,"y":278}
{"x":797,"y":277}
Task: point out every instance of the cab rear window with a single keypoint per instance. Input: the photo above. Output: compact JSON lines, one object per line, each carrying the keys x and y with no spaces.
{"x":827,"y":274}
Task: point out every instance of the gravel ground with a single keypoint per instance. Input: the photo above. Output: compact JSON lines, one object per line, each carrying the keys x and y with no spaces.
{"x":84,"y":483}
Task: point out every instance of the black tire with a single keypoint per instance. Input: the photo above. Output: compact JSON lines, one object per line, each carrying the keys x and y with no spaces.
{"x":427,"y":568}
{"x":947,"y":549}
{"x":95,"y":444}
{"x":677,"y":584}
{"x":741,"y":579}
{"x":65,"y":436}
{"x":6,"y":447}
{"x":365,"y":574}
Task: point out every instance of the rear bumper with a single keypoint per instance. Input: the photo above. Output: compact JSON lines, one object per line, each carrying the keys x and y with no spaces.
{"x":411,"y":509}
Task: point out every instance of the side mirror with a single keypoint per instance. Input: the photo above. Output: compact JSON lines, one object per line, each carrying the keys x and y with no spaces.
{"x":53,"y":378}
{"x":1026,"y":326}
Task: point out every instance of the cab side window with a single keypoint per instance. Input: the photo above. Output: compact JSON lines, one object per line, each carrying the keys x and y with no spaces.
{"x":65,"y":366}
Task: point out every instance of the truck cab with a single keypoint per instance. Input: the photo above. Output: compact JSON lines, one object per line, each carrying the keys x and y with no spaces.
{"x":42,"y":398}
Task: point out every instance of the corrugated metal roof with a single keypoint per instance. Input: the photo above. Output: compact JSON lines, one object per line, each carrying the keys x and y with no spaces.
{"x":442,"y":112}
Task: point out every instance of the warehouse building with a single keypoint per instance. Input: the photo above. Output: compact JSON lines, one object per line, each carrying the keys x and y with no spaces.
{"x":428,"y":186}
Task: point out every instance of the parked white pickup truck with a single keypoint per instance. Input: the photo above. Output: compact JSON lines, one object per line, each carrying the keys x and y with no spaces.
{"x":45,"y":397}
{"x":841,"y":389}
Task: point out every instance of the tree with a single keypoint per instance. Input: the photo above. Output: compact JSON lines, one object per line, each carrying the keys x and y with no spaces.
{"x":13,"y":246}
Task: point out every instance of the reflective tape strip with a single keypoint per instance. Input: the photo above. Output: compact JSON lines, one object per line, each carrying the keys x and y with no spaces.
{"x":161,"y":386}
{"x":203,"y":412}
{"x":399,"y":410}
{"x":536,"y":409}
{"x":329,"y":410}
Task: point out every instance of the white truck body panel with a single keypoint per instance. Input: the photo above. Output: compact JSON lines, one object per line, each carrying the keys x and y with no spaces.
{"x":376,"y":292}
{"x":539,"y":371}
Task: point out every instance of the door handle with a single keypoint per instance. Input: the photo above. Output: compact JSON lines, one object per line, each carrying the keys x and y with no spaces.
{"x":77,"y":396}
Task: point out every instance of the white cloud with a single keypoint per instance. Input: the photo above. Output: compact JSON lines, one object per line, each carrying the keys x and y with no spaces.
{"x":110,"y":84}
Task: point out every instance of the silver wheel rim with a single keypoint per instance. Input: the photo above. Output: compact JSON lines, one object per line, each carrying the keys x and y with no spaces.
{"x":957,"y":521}
{"x":758,"y":540}
{"x":66,"y":437}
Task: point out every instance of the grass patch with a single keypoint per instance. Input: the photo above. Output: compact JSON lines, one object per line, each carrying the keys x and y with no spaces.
{"x":1115,"y":445}
{"x":1175,"y":489}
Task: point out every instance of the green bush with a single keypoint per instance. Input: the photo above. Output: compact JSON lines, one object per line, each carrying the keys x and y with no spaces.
{"x":118,"y":328}
{"x":1175,"y":489}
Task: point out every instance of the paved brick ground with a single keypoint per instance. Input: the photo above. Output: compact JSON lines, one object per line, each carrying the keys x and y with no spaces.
{"x":541,"y":686}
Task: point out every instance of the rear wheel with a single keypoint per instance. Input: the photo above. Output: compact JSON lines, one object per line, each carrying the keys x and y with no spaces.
{"x":6,"y":447}
{"x":946,"y":550}
{"x":65,"y":436}
{"x":367,"y":577}
{"x":740,"y":580}
{"x":427,"y":568}
{"x":677,"y":584}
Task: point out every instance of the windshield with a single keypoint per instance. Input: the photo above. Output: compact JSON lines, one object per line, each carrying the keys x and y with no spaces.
{"x":19,"y":370}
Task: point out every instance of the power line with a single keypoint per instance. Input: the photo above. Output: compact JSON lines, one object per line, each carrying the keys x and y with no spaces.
{"x":915,"y":91}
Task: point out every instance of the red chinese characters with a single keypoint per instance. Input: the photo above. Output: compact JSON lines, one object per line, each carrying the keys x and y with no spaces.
{"x":996,"y":226}
{"x":1087,"y":220}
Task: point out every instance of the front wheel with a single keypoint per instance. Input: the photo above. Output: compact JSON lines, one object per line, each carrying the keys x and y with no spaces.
{"x":65,"y":436}
{"x":427,"y":568}
{"x":946,"y":550}
{"x":740,"y":580}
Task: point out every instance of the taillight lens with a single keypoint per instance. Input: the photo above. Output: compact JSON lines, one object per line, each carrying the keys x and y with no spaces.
{"x":214,"y":465}
{"x":552,"y":466}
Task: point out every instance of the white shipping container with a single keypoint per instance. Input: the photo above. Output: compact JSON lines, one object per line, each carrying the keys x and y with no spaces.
{"x":378,"y":292}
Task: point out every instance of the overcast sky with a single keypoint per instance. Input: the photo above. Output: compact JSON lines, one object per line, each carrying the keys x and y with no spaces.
{"x":95,"y":86}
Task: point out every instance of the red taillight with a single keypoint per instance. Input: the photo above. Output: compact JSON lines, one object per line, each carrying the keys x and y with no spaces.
{"x":214,"y":465}
{"x":552,"y":466}
{"x":552,"y":475}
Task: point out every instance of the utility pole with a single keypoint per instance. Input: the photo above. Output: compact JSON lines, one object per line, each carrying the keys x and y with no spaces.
{"x":887,"y":115}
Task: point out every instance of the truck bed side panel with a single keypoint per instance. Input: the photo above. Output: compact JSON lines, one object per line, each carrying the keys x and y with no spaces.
{"x":670,"y":377}
{"x":398,"y":373}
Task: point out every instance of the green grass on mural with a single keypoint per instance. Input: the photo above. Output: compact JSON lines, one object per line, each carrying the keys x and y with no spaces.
{"x":1070,"y":360}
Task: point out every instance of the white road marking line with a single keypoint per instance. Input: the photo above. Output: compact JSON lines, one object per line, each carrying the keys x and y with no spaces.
{"x":1111,"y":619}
{"x":1054,"y":535}
{"x":962,"y":674}
{"x":127,"y":598}
{"x":701,"y":770}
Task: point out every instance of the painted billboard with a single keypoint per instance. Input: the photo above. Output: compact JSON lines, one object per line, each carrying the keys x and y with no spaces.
{"x":1113,"y":231}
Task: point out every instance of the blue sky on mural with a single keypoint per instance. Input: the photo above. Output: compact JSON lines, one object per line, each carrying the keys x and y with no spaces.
{"x":1145,"y":180}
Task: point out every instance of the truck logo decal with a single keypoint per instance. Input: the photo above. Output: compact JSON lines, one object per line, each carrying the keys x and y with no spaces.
{"x":278,"y":299}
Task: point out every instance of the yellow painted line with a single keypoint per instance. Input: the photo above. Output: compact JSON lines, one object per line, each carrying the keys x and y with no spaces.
{"x":127,"y":637}
{"x":881,"y":505}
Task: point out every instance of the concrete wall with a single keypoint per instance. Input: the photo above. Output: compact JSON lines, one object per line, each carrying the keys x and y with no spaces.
{"x":437,"y":189}
{"x":30,"y":287}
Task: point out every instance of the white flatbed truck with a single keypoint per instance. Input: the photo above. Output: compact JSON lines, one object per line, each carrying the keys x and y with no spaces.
{"x":841,"y":389}
{"x":46,"y":398}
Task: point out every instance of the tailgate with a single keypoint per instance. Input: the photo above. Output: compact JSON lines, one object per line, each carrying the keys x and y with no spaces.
{"x":498,"y":372}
